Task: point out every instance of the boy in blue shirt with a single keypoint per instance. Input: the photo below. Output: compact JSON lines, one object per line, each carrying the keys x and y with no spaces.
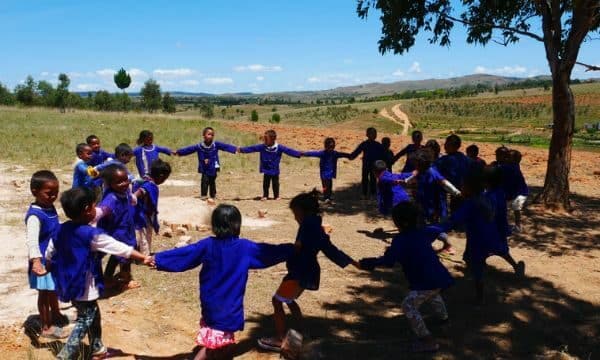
{"x":454,"y":166}
{"x":372,"y":151}
{"x":270,"y":157}
{"x":81,"y":178}
{"x":389,"y":189}
{"x":327,"y":165}
{"x":98,"y":155}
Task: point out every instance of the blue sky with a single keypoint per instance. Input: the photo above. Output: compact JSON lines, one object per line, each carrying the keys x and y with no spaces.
{"x":233,"y":46}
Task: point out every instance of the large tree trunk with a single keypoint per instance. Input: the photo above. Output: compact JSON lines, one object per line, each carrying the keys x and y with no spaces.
{"x":556,"y":186}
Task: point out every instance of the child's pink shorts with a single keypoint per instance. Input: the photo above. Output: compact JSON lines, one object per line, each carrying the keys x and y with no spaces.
{"x":213,"y":339}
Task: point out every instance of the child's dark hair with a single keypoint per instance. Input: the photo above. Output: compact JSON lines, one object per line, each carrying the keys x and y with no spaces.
{"x":91,"y":138}
{"x":123,"y":150}
{"x":502,"y":153}
{"x":80,"y":147}
{"x":406,"y":215}
{"x":39,"y":178}
{"x":109,"y":172}
{"x":417,"y":135}
{"x":423,"y":158}
{"x":329,"y":142}
{"x":206,"y":129}
{"x":473,"y":150}
{"x":307,"y":202}
{"x":379,"y":166}
{"x":434,"y":146}
{"x":515,"y":156}
{"x":492,"y":176}
{"x":226,"y":221}
{"x":74,"y":201}
{"x":454,"y":141}
{"x":371,"y":130}
{"x":271,"y":134}
{"x":160,"y":168}
{"x":144,"y":134}
{"x":386,"y":142}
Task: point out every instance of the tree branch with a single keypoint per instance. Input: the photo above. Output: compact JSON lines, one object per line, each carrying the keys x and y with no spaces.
{"x":496,"y":26}
{"x":588,"y":67}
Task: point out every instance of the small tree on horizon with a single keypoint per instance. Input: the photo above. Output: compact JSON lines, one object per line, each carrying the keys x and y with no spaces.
{"x":62,"y":92}
{"x":275,"y":118}
{"x":254,"y":116}
{"x":168,"y":103}
{"x":122,"y":79}
{"x":25,"y":93}
{"x":151,"y":96}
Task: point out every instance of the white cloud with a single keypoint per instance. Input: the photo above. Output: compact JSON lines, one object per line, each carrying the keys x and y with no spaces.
{"x":260,"y":78}
{"x":398,"y":73}
{"x":258,"y":68}
{"x":105,"y":72}
{"x":415,"y":67}
{"x":190,"y":82}
{"x":44,"y":73}
{"x":181,"y":72}
{"x":218,"y":81}
{"x":335,"y":79}
{"x":134,"y":72}
{"x":504,"y":70}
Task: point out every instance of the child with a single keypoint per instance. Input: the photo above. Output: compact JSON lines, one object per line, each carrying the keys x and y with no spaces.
{"x":389,"y":190}
{"x":146,"y":152}
{"x":388,"y":154}
{"x":208,"y":160}
{"x":115,"y":217}
{"x":434,"y":147}
{"x":146,"y":210}
{"x":516,"y":187}
{"x":426,"y":275}
{"x":497,"y":197}
{"x":226,"y":259}
{"x":81,"y":178}
{"x":270,"y":157}
{"x":454,"y":166}
{"x":123,"y":155}
{"x":473,"y":154}
{"x":372,"y":151}
{"x":98,"y":155}
{"x":42,"y":224}
{"x":303,"y":268}
{"x":327,"y":165}
{"x":417,"y":139}
{"x":74,"y":259}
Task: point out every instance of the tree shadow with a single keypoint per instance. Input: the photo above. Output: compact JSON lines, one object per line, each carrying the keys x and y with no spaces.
{"x":522,"y":318}
{"x":348,"y":201}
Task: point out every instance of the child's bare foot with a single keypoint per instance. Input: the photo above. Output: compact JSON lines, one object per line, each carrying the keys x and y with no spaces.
{"x":277,"y":198}
{"x":448,"y":250}
{"x":270,"y":343}
{"x":132,"y":284}
{"x":264,"y":198}
{"x":54,"y":333}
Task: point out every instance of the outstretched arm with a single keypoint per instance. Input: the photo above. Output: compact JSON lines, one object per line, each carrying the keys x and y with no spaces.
{"x":266,"y":255}
{"x":226,"y":147}
{"x":356,"y":151}
{"x":165,"y":150}
{"x":251,"y":148}
{"x":290,"y":152}
{"x":187,"y":150}
{"x":181,"y":259}
{"x":316,"y":153}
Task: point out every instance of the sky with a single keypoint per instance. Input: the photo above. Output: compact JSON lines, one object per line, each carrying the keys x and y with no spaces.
{"x":235,"y":46}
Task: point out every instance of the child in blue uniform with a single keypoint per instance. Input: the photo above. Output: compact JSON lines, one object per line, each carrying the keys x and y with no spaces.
{"x":303,"y":268}
{"x":327,"y":165}
{"x":516,"y":187}
{"x":208,"y":160}
{"x":42,"y":224}
{"x":473,"y":154}
{"x":270,"y":157}
{"x":74,"y":259}
{"x":372,"y":151}
{"x":226,"y":259}
{"x":417,"y":139}
{"x":389,"y":187}
{"x":146,"y":152}
{"x":426,"y":275}
{"x":146,"y":210}
{"x":116,"y":219}
{"x":81,"y":178}
{"x":123,"y":155}
{"x":98,"y":155}
{"x":454,"y":166}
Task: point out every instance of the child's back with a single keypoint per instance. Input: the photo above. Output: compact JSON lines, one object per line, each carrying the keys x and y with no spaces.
{"x":389,"y":191}
{"x":497,"y":198}
{"x":454,"y":167}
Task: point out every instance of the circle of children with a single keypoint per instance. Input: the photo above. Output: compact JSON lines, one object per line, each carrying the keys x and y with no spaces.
{"x":66,"y":258}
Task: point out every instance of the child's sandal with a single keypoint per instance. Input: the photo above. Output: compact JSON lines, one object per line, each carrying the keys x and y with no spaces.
{"x":269,"y":344}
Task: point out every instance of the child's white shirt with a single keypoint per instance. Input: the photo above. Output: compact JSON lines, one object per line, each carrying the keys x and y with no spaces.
{"x":33,"y":233}
{"x":104,"y":243}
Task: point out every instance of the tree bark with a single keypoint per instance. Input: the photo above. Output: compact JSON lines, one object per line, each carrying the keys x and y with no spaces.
{"x":556,"y":185}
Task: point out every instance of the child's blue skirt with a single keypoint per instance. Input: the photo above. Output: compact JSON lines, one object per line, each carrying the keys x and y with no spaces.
{"x":41,"y":282}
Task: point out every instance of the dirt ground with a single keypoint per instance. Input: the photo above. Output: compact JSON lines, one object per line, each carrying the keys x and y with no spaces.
{"x":355,"y":315}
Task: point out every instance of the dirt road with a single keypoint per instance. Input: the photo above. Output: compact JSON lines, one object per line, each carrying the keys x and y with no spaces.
{"x":397,"y":116}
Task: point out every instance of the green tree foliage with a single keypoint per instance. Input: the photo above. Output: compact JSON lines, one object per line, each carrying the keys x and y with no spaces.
{"x":103,"y":101}
{"x":122,"y":79}
{"x":561,"y":26}
{"x":121,"y":102}
{"x":168,"y":104}
{"x":254,"y":116}
{"x":62,"y":91}
{"x":46,"y":94}
{"x":151,"y":97}
{"x":223,"y":113}
{"x":207,"y":110}
{"x":25,"y":93}
{"x":275,"y":118}
{"x":6,"y":97}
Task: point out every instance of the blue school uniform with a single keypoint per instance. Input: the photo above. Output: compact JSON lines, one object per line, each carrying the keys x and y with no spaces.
{"x":303,"y":265}
{"x":146,"y":210}
{"x":81,"y":177}
{"x":225,"y":264}
{"x":100,"y":156}
{"x":389,"y":194}
{"x":145,"y":155}
{"x":74,"y":259}
{"x":410,"y":149}
{"x":431,"y":196}
{"x":420,"y":264}
{"x":497,"y":198}
{"x":454,"y":167}
{"x":108,"y":163}
{"x":207,"y":152}
{"x":49,"y":224}
{"x":118,"y":223}
{"x":270,"y":156}
{"x":372,"y":151}
{"x":327,"y":162}
{"x":513,"y":181}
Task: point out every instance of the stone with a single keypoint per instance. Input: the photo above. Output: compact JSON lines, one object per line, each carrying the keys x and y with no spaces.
{"x":185,"y":238}
{"x":262,"y":213}
{"x":167,"y":232}
{"x":181,"y":231}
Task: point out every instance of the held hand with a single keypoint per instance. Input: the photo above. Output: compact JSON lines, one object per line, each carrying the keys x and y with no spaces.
{"x":356,"y":264}
{"x":149,"y":260}
{"x":237,"y":150}
{"x":134,"y":200}
{"x":92,"y":172}
{"x":37,"y":268}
